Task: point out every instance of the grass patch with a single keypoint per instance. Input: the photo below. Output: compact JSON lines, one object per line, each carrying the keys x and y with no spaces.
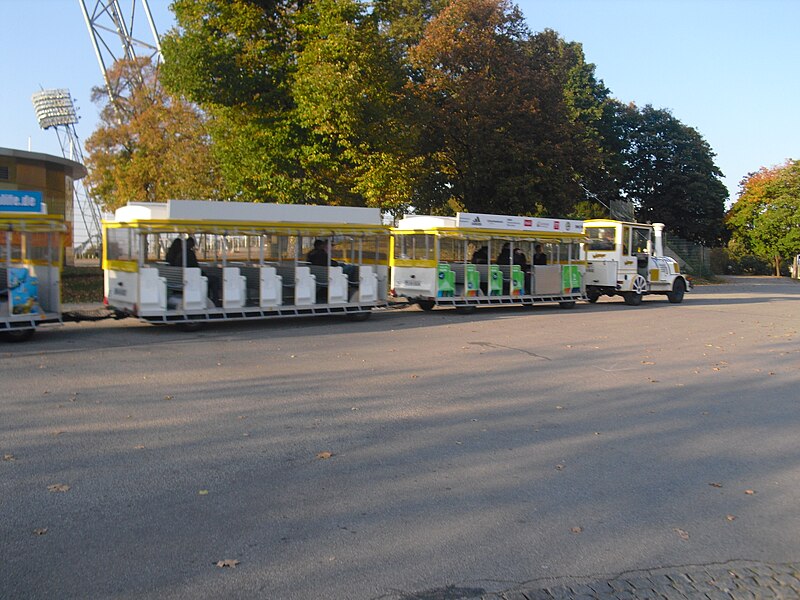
{"x":81,"y":284}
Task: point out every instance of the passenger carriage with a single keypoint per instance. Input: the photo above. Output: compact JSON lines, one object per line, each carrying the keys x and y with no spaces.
{"x":31,"y":254}
{"x":250,"y":261}
{"x":435,"y":261}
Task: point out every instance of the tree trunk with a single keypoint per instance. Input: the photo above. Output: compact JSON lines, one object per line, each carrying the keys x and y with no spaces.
{"x":777,"y":266}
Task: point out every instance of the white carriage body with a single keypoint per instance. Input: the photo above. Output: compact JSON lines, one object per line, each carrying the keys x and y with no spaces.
{"x":252,"y":261}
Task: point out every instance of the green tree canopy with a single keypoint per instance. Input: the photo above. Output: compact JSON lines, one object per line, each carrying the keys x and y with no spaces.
{"x":149,"y":146}
{"x":671,"y":175}
{"x":765,"y":219}
{"x":509,"y":117}
{"x":438,"y":105}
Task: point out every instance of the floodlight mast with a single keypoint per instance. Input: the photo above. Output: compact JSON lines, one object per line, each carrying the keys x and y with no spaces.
{"x":107,"y":17}
{"x":56,"y":110}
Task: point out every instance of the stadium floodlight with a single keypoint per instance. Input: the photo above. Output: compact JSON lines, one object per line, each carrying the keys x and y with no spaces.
{"x":54,"y":108}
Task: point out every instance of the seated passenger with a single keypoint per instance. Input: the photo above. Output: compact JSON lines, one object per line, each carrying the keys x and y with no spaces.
{"x":319,"y":256}
{"x":175,"y":259}
{"x":175,"y":253}
{"x":505,"y":255}
{"x":539,"y":257}
{"x":521,"y":260}
{"x":480,"y":256}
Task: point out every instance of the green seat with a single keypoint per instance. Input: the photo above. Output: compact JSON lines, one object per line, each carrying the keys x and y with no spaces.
{"x":571,"y":279}
{"x":517,"y":280}
{"x":495,"y":281}
{"x":472,"y":281}
{"x":447,"y":281}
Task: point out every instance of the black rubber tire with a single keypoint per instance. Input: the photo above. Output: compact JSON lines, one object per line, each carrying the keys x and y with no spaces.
{"x":17,"y":335}
{"x":678,"y":290}
{"x":426,"y":305}
{"x":593,"y":296}
{"x":632,"y":298}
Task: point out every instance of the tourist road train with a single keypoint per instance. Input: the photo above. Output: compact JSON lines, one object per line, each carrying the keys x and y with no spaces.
{"x":187,"y":262}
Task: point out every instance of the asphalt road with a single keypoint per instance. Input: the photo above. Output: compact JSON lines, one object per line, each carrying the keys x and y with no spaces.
{"x":415,"y":455}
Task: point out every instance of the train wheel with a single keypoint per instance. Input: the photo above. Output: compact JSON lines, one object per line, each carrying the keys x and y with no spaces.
{"x":17,"y":335}
{"x":632,"y":298}
{"x":678,"y":290}
{"x":426,"y":305}
{"x":638,"y":288}
{"x":593,"y":296}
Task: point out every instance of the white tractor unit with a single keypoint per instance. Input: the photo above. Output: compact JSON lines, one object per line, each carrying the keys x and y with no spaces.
{"x":627,"y":259}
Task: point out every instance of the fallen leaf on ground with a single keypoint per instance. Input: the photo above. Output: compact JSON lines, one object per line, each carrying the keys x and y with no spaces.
{"x":139,"y":447}
{"x":167,"y":397}
{"x":715,"y":484}
{"x":576,"y":529}
{"x":730,"y":517}
{"x":560,"y":467}
{"x":648,"y":362}
{"x":228,"y":562}
{"x":325,"y":454}
{"x":683,"y":534}
{"x":58,"y":487}
{"x":9,"y":457}
{"x":750,"y":492}
{"x":203,"y":492}
{"x":40,"y":531}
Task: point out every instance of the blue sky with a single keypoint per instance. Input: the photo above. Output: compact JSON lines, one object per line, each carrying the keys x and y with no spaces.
{"x":728,"y":68}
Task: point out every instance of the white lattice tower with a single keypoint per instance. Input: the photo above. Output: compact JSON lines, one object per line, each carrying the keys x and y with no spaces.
{"x":121,"y":29}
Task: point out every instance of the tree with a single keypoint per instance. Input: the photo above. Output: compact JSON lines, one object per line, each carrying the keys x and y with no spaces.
{"x":350,"y":101}
{"x":506,"y":127}
{"x":766,"y":217}
{"x":149,"y":146}
{"x":672,"y":176}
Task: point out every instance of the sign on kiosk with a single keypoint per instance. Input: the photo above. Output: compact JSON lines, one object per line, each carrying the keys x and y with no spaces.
{"x":20,"y":201}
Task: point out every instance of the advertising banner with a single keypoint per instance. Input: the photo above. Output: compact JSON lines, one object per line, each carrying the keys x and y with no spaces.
{"x":513,"y":223}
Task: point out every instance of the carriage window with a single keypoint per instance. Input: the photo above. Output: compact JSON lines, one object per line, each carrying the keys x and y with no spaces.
{"x":564,"y":252}
{"x":344,"y":249}
{"x":626,"y":241}
{"x":414,"y":247}
{"x":272,"y":252}
{"x":600,"y":238}
{"x":451,"y":250}
{"x":375,"y":248}
{"x":121,"y":244}
{"x":156,"y":246}
{"x":551,"y":249}
{"x":288,"y":246}
{"x":238,"y":247}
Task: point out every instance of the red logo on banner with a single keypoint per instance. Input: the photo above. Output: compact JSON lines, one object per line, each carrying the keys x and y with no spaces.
{"x":528,"y":222}
{"x":555,"y":225}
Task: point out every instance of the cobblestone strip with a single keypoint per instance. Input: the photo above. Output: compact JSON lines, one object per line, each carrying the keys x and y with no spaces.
{"x":733,"y":581}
